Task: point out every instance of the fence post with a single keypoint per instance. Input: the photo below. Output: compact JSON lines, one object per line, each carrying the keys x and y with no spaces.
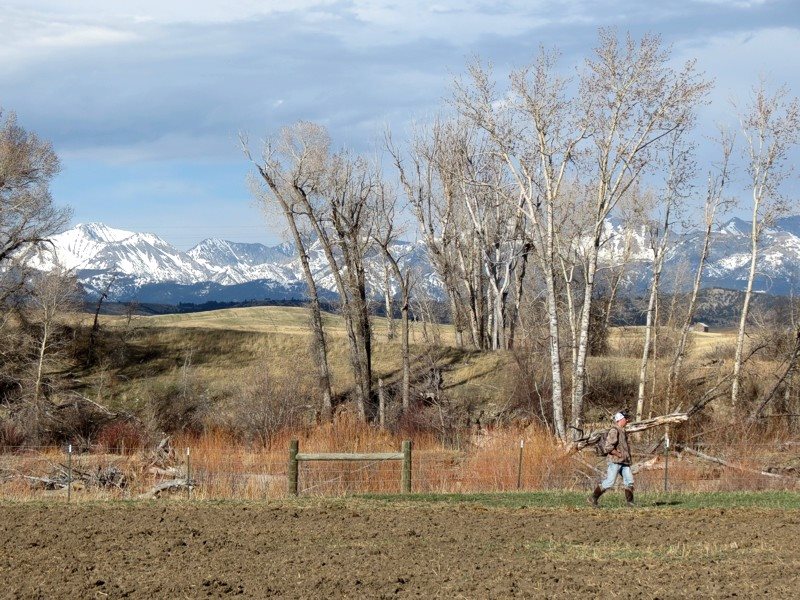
{"x":666,"y":458}
{"x":293,"y":449}
{"x":406,"y":478}
{"x":519,"y":465}
{"x":188,"y":476}
{"x":69,"y":472}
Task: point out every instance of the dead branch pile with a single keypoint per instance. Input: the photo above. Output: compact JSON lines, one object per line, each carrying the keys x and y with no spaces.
{"x":162,"y":460}
{"x":60,"y":478}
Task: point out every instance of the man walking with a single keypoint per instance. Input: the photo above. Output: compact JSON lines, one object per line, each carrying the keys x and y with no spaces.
{"x":619,"y":461}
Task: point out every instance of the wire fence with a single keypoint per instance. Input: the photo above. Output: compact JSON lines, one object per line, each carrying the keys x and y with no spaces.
{"x":196,"y":473}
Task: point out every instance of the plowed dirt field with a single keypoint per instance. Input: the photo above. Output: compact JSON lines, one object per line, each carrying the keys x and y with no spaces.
{"x":362,"y":549}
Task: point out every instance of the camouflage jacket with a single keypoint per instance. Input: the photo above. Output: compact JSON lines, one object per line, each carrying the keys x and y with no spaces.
{"x":616,"y":446}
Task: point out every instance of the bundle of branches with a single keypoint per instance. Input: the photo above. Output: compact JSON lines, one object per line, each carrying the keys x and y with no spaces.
{"x":594,"y":437}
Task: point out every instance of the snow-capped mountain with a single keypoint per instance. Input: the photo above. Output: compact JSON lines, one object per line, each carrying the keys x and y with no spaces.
{"x":143,"y":267}
{"x":728,"y":263}
{"x":233,"y":263}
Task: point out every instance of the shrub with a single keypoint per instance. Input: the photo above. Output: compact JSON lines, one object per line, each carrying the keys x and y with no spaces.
{"x":11,"y":434}
{"x":609,"y":387}
{"x":119,"y":437}
{"x":531,"y":387}
{"x":266,"y":404}
{"x":182,"y":405}
{"x":722,"y":351}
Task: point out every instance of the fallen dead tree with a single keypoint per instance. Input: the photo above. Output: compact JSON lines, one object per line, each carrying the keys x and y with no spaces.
{"x":169,"y":486}
{"x":729,"y":465}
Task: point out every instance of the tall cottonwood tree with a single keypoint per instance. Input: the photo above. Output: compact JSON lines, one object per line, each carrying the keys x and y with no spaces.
{"x":343,"y":219}
{"x":770,"y":125}
{"x":714,"y":203}
{"x":31,"y":304}
{"x":331,"y":195}
{"x":537,"y":158}
{"x":429,"y":184}
{"x":28,"y":216}
{"x":631,"y":100}
{"x":386,"y":233}
{"x":291,"y":168}
{"x":600,"y":141}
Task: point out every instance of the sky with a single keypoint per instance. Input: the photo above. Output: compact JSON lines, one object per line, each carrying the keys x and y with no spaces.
{"x":144,"y":99}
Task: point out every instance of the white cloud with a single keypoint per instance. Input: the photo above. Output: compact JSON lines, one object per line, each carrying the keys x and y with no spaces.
{"x":737,"y":60}
{"x":164,"y":11}
{"x":28,"y":37}
{"x":735,"y":3}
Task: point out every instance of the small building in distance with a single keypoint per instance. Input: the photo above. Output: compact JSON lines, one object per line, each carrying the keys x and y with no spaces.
{"x":700,"y":327}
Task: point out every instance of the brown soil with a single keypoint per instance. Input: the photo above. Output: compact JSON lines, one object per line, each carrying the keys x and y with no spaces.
{"x":357,"y":549}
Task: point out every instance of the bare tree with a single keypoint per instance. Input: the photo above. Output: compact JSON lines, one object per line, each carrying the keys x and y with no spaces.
{"x":50,"y":296}
{"x":290,"y":170}
{"x":27,"y":215}
{"x":771,"y":127}
{"x":343,"y":220}
{"x":429,"y":186}
{"x":612,"y":132}
{"x":632,"y":100}
{"x":715,"y":202}
{"x":537,"y":157}
{"x":680,"y":169}
{"x":385,"y":234}
{"x":331,"y":194}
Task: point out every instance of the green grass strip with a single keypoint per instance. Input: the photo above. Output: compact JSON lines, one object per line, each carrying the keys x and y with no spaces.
{"x":613,"y":499}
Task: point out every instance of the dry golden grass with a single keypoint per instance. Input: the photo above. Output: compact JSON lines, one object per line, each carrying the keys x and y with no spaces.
{"x":226,"y":347}
{"x":489,"y":461}
{"x":222,"y":348}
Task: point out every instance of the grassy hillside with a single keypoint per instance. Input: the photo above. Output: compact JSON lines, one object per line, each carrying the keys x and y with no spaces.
{"x":222,"y":351}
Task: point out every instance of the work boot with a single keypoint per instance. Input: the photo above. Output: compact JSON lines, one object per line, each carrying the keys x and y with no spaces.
{"x":592,"y":500}
{"x":629,"y":496}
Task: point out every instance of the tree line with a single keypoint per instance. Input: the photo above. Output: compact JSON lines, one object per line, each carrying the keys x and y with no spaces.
{"x":512,"y":187}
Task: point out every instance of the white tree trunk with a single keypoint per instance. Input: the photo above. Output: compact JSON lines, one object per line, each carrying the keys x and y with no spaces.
{"x":658,"y":262}
{"x":748,"y":292}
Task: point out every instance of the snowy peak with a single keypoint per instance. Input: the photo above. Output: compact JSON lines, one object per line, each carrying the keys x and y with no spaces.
{"x":94,"y":247}
{"x":215,"y":251}
{"x":80,"y":245}
{"x":736,"y":226}
{"x":101,"y":233}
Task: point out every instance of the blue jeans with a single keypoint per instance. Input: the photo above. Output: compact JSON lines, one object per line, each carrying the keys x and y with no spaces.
{"x":611,"y":475}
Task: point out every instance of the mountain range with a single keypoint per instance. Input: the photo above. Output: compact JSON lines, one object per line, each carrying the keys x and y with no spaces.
{"x":143,"y":267}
